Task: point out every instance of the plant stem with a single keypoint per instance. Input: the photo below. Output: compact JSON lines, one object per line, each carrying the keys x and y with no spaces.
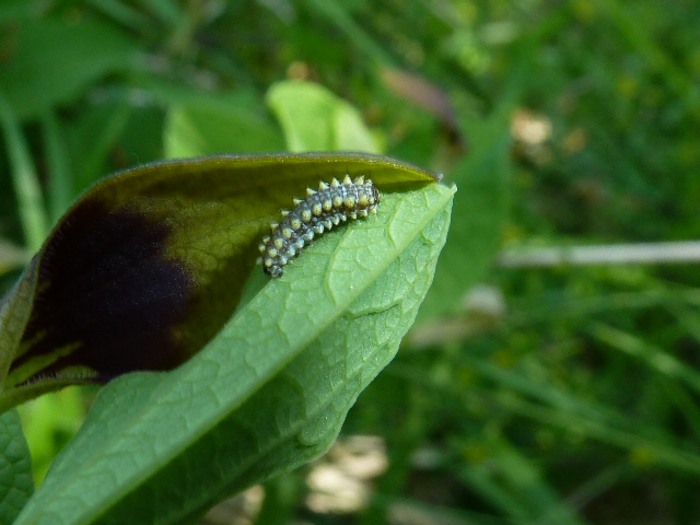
{"x":24,"y":178}
{"x":641,"y":253}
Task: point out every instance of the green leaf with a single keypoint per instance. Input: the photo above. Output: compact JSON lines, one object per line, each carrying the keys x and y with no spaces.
{"x":13,"y":9}
{"x":147,"y":266}
{"x":16,"y":484}
{"x":481,"y":212}
{"x":268,"y":393}
{"x":54,"y":60}
{"x":313,"y":118}
{"x":15,"y":311}
{"x":208,"y":125}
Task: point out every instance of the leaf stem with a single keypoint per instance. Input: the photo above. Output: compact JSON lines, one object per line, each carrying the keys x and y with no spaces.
{"x":640,"y":253}
{"x":24,"y":178}
{"x":60,"y":182}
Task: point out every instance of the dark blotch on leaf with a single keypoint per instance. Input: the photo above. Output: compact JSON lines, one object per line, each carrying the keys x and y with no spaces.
{"x":106,"y":285}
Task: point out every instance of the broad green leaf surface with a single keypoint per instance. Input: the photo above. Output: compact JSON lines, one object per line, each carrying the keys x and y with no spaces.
{"x":51,"y":61}
{"x":16,"y":483}
{"x":268,"y":393}
{"x":147,"y":266}
{"x":13,"y":9}
{"x":313,"y":118}
{"x":208,"y":125}
{"x":481,"y":212}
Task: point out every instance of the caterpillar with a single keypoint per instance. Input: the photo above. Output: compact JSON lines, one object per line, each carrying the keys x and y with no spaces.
{"x":320,"y":211}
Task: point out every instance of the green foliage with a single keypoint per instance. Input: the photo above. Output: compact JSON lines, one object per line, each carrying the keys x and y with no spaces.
{"x":146,"y":266}
{"x":559,"y":395}
{"x":268,"y":393}
{"x":56,"y":59}
{"x":483,"y":178}
{"x":16,"y":485}
{"x":204,"y":125}
{"x":313,"y":118}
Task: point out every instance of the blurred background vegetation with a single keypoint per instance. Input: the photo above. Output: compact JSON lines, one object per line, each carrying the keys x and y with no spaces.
{"x":566,"y":394}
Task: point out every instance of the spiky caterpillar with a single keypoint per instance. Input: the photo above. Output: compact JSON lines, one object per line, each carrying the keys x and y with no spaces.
{"x":320,"y":211}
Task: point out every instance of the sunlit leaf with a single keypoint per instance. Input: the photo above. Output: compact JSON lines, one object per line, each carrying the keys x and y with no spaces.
{"x":313,"y":118}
